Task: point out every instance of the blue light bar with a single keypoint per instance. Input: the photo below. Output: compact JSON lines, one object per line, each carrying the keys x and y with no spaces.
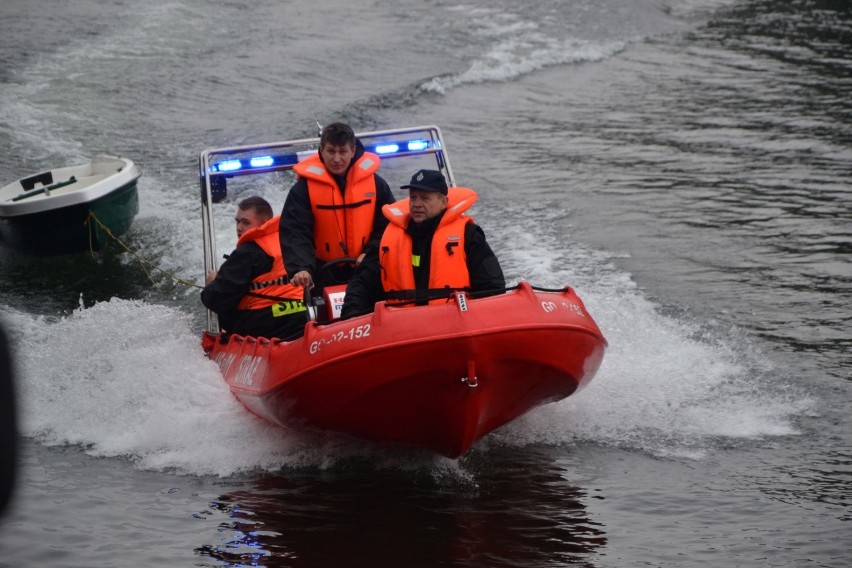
{"x":402,"y":146}
{"x":415,"y":145}
{"x":387,"y":148}
{"x":229,"y":165}
{"x":262,"y":161}
{"x":282,"y":161}
{"x":257,"y":162}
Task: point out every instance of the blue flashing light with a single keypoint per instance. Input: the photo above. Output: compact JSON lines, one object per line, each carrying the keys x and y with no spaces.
{"x":234,"y":164}
{"x":400,"y":147}
{"x":262,"y":161}
{"x":416,"y":145}
{"x":229,"y":165}
{"x":387,"y":148}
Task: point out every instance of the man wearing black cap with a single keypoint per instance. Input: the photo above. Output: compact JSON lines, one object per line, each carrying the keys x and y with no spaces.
{"x":429,"y":249}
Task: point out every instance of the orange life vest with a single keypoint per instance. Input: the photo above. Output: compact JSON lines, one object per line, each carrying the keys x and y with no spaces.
{"x":343,"y":221}
{"x":275,"y":282}
{"x":447,"y":267}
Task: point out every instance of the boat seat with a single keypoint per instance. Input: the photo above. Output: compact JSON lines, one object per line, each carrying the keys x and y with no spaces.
{"x":45,"y":178}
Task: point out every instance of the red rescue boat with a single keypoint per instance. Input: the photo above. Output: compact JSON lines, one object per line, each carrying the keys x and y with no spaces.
{"x":439,"y":376}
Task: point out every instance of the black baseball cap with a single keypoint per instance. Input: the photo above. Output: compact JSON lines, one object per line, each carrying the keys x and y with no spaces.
{"x":427,"y":180}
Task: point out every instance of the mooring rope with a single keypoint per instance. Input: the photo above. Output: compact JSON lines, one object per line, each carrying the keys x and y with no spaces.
{"x":144,"y":262}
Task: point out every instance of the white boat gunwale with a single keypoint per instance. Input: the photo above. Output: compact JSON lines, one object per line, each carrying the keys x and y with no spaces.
{"x":97,"y":178}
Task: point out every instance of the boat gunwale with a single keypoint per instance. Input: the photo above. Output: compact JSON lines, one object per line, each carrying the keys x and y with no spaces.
{"x":120,"y":180}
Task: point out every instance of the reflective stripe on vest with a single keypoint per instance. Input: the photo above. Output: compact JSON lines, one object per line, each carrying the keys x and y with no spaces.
{"x":280,"y":281}
{"x":288,"y":307}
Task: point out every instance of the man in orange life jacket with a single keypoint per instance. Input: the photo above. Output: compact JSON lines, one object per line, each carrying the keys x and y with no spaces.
{"x":429,"y":249}
{"x":250,"y":292}
{"x":334,"y":208}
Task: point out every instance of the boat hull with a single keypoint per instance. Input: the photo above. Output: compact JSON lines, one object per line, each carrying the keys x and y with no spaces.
{"x":436,"y":377}
{"x":71,"y":229}
{"x":74,"y":217}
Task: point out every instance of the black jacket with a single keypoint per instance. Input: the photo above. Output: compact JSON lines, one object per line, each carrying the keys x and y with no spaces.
{"x":297,"y":222}
{"x":232,"y":282}
{"x":365,"y":287}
